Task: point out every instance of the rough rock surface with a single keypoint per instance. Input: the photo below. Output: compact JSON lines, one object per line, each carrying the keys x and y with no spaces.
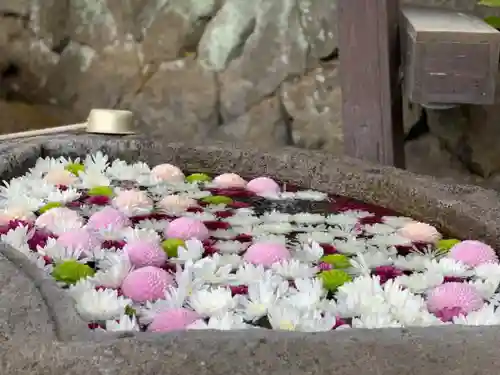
{"x":260,"y":71}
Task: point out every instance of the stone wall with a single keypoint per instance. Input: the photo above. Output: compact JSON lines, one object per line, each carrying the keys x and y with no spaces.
{"x":264,"y":71}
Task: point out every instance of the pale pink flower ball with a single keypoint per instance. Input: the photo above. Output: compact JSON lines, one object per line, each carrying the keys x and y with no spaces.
{"x":266,"y":253}
{"x":263,"y":185}
{"x":133,"y":202}
{"x":186,"y":228}
{"x":60,"y":177}
{"x":145,"y":253}
{"x":79,"y":239}
{"x":176,"y":203}
{"x":454,"y":295}
{"x":59,"y":217}
{"x":146,"y":284}
{"x":173,"y":320}
{"x":168,"y":173}
{"x":420,"y":232}
{"x":16,"y":213}
{"x":106,"y":218}
{"x":473,"y":253}
{"x":229,"y":180}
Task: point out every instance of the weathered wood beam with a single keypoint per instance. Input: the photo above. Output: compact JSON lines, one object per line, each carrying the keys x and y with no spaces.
{"x":369,"y":63}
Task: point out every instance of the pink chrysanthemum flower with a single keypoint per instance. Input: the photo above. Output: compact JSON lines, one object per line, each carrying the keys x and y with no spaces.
{"x":266,"y":253}
{"x":60,"y":177}
{"x":59,"y":220}
{"x":173,"y":320}
{"x":145,"y":253}
{"x":176,"y":204}
{"x":133,"y":202}
{"x":420,"y":232}
{"x":168,"y":173}
{"x":186,"y":228}
{"x":263,"y":185}
{"x":454,"y":296}
{"x":146,"y":284}
{"x":108,"y":217}
{"x":229,"y":180}
{"x":80,"y":239}
{"x":473,"y":253}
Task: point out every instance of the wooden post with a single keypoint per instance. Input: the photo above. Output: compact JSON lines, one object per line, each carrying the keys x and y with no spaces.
{"x":370,"y":78}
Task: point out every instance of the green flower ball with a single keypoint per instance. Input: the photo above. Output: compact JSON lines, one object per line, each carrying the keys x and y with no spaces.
{"x":70,"y":272}
{"x":337,"y":260}
{"x":171,"y":245}
{"x":49,"y":206}
{"x":445,"y":245}
{"x":334,"y":279}
{"x":75,"y":168}
{"x":217,"y":199}
{"x":101,"y":191}
{"x":198,"y":177}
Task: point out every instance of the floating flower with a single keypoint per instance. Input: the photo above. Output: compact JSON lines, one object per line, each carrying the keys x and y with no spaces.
{"x":168,"y":172}
{"x":133,"y":202}
{"x":225,"y":322}
{"x":173,"y":320}
{"x":473,"y":253}
{"x":454,"y":295}
{"x":80,"y":239}
{"x":60,"y":176}
{"x":104,"y":304}
{"x":146,"y":284}
{"x":176,"y":204}
{"x":212,"y":302}
{"x":186,"y":228}
{"x":124,"y":324}
{"x":266,"y":254}
{"x":59,"y":220}
{"x":108,"y":218}
{"x":263,"y":185}
{"x":229,"y":180}
{"x":145,"y":253}
{"x":420,"y":232}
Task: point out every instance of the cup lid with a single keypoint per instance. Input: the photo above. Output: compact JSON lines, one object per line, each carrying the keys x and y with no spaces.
{"x":110,"y":121}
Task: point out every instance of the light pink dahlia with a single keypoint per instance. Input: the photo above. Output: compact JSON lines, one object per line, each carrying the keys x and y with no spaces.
{"x":176,"y":203}
{"x":473,"y":253}
{"x":168,"y":173}
{"x":420,"y":232}
{"x":60,"y":177}
{"x":146,"y":284}
{"x":461,"y":296}
{"x":145,"y":253}
{"x":229,"y":180}
{"x":81,"y":239}
{"x":263,"y":185}
{"x":266,"y":253}
{"x":108,"y":217}
{"x":186,"y":228}
{"x":173,"y":320}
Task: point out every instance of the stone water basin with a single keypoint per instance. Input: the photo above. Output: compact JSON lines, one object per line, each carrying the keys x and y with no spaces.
{"x":56,"y":339}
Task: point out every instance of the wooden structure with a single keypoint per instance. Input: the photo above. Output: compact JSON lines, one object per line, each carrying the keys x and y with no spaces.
{"x":371,"y":74}
{"x":449,"y":57}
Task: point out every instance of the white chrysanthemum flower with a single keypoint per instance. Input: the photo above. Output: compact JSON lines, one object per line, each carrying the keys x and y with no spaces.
{"x":202,"y":216}
{"x":92,"y":178}
{"x":309,"y":252}
{"x":60,"y":220}
{"x":308,"y":218}
{"x":271,"y":238}
{"x":293,"y":269}
{"x":248,"y":273}
{"x":243,"y":220}
{"x":215,"y":207}
{"x":486,"y":288}
{"x":65,"y":196}
{"x":369,"y":260}
{"x":276,"y":217}
{"x":186,"y":279}
{"x":342,"y":220}
{"x":321,"y":237}
{"x":488,"y":271}
{"x":57,"y":252}
{"x":274,"y":228}
{"x":153,"y":224}
{"x":448,"y":267}
{"x":386,"y":240}
{"x":379,"y":229}
{"x":420,"y":282}
{"x":359,"y":214}
{"x":233,"y":260}
{"x":18,"y":239}
{"x":413,"y":262}
{"x":488,"y":315}
{"x":307,"y":228}
{"x":225,"y":322}
{"x":200,"y":194}
{"x":175,"y":298}
{"x":210,"y":272}
{"x":139,"y":234}
{"x":77,"y":290}
{"x":223,"y":234}
{"x":231,"y":247}
{"x":96,"y":162}
{"x":213,"y":302}
{"x":374,"y":321}
{"x":192,"y":250}
{"x":308,"y":294}
{"x":104,"y":304}
{"x":311,"y":195}
{"x":244,"y":211}
{"x":124,"y":324}
{"x":40,"y":263}
{"x":114,"y":267}
{"x":287,"y":318}
{"x":351,"y":246}
{"x":397,"y":222}
{"x":110,"y":233}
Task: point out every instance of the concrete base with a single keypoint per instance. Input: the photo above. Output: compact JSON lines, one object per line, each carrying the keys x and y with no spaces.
{"x":49,"y":337}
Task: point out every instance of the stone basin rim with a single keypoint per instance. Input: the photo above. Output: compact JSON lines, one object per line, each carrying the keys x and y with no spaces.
{"x":461,"y":209}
